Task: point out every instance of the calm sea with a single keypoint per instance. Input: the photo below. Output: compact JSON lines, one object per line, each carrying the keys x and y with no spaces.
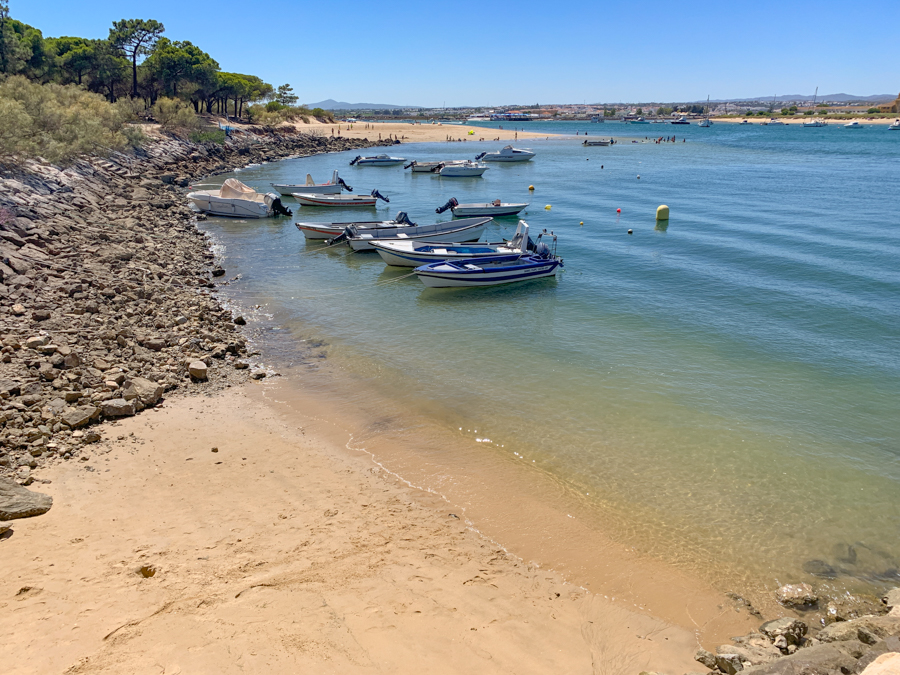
{"x":723,"y":392}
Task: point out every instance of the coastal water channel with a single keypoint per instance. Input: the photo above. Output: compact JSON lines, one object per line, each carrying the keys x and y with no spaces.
{"x":722,"y":394}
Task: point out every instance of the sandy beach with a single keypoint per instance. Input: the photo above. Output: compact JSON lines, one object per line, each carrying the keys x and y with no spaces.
{"x":272,"y":548}
{"x":414,"y":133}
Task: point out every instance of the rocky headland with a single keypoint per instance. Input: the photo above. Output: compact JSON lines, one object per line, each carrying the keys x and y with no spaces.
{"x":107,"y":290}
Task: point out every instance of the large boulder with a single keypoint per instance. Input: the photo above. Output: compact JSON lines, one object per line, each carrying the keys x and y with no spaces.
{"x":118,"y":407}
{"x":821,"y":658}
{"x":78,"y":417}
{"x":792,"y":630}
{"x":796,"y":595}
{"x":198,"y":370}
{"x":868,"y":629}
{"x":18,"y":502}
{"x":886,"y":664}
{"x":148,"y":392}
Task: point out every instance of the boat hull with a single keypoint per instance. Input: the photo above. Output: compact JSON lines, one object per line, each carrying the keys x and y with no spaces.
{"x":381,"y":162}
{"x":459,"y":230}
{"x":230,"y":208}
{"x":462,"y":171}
{"x":290,"y":190}
{"x":506,"y":158}
{"x":455,"y":251}
{"x":324,"y":200}
{"x":330,"y":230}
{"x":591,"y":144}
{"x":468,"y":211}
{"x":447,"y":275}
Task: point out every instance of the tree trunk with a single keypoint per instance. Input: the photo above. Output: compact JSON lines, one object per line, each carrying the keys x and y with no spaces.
{"x":134,"y":74}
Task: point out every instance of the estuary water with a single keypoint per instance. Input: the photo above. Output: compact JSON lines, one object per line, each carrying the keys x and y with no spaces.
{"x":721,"y":392}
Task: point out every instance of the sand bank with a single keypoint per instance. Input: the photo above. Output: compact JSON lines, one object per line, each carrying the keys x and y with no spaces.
{"x":415,"y":133}
{"x":285,"y":552}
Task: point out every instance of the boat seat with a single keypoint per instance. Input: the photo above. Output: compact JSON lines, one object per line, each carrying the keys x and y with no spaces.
{"x":441,"y":251}
{"x":402,"y":235}
{"x":473,"y":267}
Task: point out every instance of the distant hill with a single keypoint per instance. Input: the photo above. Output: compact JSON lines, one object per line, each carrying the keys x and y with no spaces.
{"x":331,"y":104}
{"x":840,"y":98}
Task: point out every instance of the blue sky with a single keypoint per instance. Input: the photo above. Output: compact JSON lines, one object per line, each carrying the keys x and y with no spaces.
{"x":491,"y":53}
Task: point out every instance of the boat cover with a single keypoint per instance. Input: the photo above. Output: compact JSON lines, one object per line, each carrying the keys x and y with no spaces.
{"x":235,"y":189}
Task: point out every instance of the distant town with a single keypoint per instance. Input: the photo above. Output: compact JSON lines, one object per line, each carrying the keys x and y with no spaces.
{"x":775,"y":106}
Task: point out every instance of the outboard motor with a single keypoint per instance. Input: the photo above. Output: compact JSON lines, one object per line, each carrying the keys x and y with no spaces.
{"x":542,"y":250}
{"x":355,"y":160}
{"x":437,"y":168}
{"x":477,"y":157}
{"x":448,"y":205}
{"x":411,"y":164}
{"x":403,"y":219}
{"x":343,"y":236}
{"x":279,"y":209}
{"x":344,"y":185}
{"x":378,"y":195}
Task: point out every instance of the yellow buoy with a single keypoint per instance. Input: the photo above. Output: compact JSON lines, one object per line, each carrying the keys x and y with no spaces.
{"x":531,"y":187}
{"x":471,"y":132}
{"x":662,"y":212}
{"x":581,"y":223}
{"x":547,"y":208}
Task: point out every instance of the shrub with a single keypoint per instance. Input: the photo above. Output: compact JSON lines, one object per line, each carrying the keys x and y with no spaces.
{"x":209,"y":136}
{"x":58,"y":122}
{"x":872,"y":111}
{"x":172,"y":113}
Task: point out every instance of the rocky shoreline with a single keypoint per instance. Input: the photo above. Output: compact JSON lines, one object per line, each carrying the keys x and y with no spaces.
{"x":106,"y":285}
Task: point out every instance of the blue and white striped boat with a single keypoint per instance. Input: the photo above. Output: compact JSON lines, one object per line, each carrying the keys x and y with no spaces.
{"x":405,"y":253}
{"x":504,"y":269}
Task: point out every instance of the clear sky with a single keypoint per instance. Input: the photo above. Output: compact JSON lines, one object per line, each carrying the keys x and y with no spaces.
{"x":491,"y":53}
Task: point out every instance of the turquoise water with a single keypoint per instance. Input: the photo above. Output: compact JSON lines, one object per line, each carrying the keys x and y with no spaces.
{"x":723,"y":392}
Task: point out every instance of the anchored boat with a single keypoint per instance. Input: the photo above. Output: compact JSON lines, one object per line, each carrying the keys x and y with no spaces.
{"x":494,"y":208}
{"x":507,"y":154}
{"x":469,"y":229}
{"x":339,"y":200}
{"x":377,"y":160}
{"x":592,"y":142}
{"x":236,"y":200}
{"x":504,"y":269}
{"x":333,"y":187}
{"x":404,"y":253}
{"x":331,"y":230}
{"x":463,"y":170}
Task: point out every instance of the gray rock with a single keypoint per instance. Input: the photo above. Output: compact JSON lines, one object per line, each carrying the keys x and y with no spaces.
{"x":796,"y":595}
{"x":892,"y":598}
{"x":36,"y":341}
{"x":198,"y":370}
{"x":866,"y":629}
{"x":78,"y":417}
{"x":148,"y":392}
{"x":729,"y":663}
{"x":791,"y":629}
{"x":708,"y":659}
{"x":17,"y":502}
{"x":822,"y":658}
{"x":258,"y":374}
{"x":117,"y":407}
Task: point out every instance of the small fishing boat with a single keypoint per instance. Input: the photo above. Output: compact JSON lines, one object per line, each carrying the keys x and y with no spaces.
{"x":593,"y":142}
{"x":774,"y":123}
{"x":853,"y":125}
{"x":638,"y":120}
{"x":333,"y":187}
{"x":507,"y":154}
{"x":463,"y":170}
{"x":377,"y":160}
{"x":339,"y":200}
{"x":403,"y":253}
{"x":331,"y":230}
{"x":895,"y":126}
{"x":706,"y":123}
{"x":468,"y":229}
{"x":596,"y":119}
{"x":424,"y":167}
{"x":680,"y":120}
{"x":746,"y":122}
{"x":815,"y":123}
{"x":503,"y":269}
{"x":493,"y":209}
{"x":236,"y":200}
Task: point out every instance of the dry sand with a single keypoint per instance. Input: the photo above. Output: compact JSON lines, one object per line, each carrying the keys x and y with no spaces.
{"x":416,"y":133}
{"x":283,"y":553}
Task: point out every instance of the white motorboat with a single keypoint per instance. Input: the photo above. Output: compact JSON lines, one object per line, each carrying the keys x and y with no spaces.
{"x":333,"y":187}
{"x":706,"y":123}
{"x":681,"y":120}
{"x":638,"y":120}
{"x":468,"y":229}
{"x":463,"y":170}
{"x":492,"y":271}
{"x":895,"y":126}
{"x":746,"y":122}
{"x":774,"y":123}
{"x":339,"y":200}
{"x":236,"y":200}
{"x":507,"y":154}
{"x":424,"y":167}
{"x":493,"y":209}
{"x":403,"y":253}
{"x":377,"y":160}
{"x":331,"y":230}
{"x":853,"y":125}
{"x":596,"y":119}
{"x":592,"y":142}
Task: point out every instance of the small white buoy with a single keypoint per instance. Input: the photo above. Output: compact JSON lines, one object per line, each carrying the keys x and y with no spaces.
{"x":630,"y":231}
{"x":639,"y":176}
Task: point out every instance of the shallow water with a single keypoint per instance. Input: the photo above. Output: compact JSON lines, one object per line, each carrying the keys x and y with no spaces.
{"x":721,"y":393}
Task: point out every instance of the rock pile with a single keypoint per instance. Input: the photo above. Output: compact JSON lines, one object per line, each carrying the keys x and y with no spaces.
{"x":785,"y":647}
{"x":104,"y":291}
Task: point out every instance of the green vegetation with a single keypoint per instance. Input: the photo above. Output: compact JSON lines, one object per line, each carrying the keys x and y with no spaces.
{"x":210,"y":136}
{"x":872,"y":111}
{"x":136,"y":72}
{"x":662,"y":112}
{"x":59,"y":122}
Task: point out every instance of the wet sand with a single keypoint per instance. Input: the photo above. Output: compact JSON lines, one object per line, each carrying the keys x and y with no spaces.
{"x":286,"y":551}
